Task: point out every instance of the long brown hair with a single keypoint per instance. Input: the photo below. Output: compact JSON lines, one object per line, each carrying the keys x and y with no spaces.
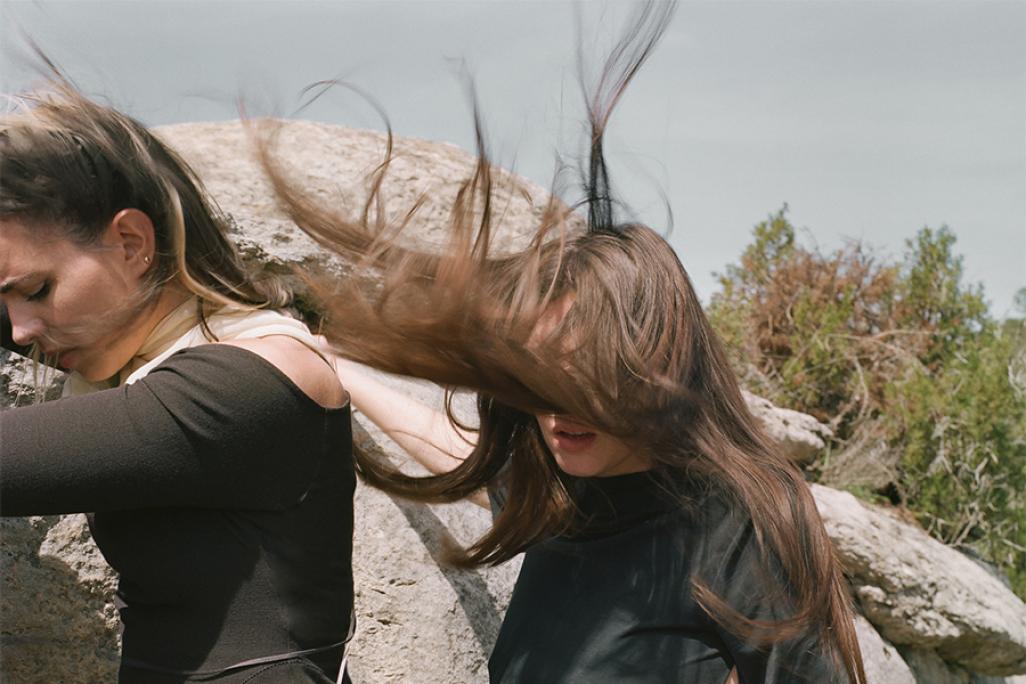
{"x":634,"y":356}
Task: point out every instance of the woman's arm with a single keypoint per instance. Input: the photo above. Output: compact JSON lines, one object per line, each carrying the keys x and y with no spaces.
{"x":424,"y":433}
{"x":211,"y":427}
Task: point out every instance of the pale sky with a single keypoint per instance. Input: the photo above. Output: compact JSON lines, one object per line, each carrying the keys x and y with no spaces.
{"x":869,"y":119}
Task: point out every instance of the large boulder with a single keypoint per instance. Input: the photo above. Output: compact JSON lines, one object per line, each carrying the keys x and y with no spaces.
{"x":332,"y":165}
{"x":417,"y":618}
{"x":921,"y":593}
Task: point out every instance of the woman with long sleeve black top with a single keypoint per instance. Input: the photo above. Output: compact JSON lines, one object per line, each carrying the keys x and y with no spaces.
{"x":201,"y":430}
{"x":665,"y":538}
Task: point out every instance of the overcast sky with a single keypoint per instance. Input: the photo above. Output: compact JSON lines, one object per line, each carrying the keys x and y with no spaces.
{"x":869,"y":119}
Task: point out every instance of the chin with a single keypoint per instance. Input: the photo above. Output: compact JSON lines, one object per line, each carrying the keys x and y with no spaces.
{"x":580,"y":467}
{"x":95,"y":372}
{"x":90,"y":376}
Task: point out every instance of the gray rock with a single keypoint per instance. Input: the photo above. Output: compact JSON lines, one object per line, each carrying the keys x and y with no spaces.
{"x":419,"y":619}
{"x":331,"y":163}
{"x":57,"y":623}
{"x":929,"y":668}
{"x":799,"y":435}
{"x":55,"y":620}
{"x":21,"y":381}
{"x":919,"y":592}
{"x":882,"y":661}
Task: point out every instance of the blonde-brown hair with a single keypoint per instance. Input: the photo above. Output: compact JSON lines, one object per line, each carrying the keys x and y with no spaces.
{"x":68,"y":165}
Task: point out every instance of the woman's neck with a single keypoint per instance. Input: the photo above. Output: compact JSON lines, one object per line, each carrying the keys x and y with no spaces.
{"x":170,"y":298}
{"x":606,"y":505}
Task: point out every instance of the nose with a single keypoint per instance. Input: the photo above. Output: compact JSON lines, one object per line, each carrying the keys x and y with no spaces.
{"x":25,"y":328}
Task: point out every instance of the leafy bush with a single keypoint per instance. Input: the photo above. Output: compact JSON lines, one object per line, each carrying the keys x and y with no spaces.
{"x":925,"y":391}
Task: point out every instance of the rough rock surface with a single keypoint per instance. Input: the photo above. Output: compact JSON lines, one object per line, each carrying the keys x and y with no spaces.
{"x":882,"y":661}
{"x":417,"y":618}
{"x":57,"y":623}
{"x":919,"y":592}
{"x":929,"y":667}
{"x":19,"y":380}
{"x":799,"y":435}
{"x":331,"y":163}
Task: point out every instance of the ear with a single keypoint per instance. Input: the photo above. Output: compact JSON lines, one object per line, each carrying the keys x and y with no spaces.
{"x":131,"y":230}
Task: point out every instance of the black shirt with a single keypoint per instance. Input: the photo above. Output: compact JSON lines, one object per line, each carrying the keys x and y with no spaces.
{"x":222,"y":495}
{"x":613,"y":603}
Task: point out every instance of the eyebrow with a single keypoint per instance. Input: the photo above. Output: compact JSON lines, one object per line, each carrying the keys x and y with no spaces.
{"x":9,"y":285}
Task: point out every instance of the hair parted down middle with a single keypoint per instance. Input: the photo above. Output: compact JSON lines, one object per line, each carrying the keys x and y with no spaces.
{"x":634,"y":356}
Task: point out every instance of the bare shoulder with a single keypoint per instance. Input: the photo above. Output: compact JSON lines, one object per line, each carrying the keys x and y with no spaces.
{"x":301,"y":364}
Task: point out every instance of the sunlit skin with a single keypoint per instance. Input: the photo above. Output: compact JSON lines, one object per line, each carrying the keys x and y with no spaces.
{"x":578,"y":448}
{"x":583,"y":451}
{"x":72,"y":301}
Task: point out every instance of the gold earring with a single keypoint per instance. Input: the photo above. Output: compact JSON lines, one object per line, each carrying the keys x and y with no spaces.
{"x":146,"y":259}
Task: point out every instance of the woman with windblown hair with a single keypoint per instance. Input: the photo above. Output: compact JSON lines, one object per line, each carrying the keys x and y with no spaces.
{"x":665,"y":538}
{"x":201,"y":429}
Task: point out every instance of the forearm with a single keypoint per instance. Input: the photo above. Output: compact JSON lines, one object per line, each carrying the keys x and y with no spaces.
{"x":423,"y":432}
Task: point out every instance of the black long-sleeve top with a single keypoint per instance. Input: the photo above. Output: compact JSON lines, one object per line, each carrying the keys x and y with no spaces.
{"x":612,"y":603}
{"x":221,"y":494}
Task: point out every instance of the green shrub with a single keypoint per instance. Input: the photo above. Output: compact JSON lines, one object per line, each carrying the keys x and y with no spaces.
{"x":899,"y":354}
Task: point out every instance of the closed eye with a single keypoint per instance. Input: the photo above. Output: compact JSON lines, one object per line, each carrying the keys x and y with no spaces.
{"x":40,"y":293}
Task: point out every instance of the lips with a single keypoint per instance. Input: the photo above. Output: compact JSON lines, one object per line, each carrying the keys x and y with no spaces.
{"x":571,"y":443}
{"x":572,"y":437}
{"x":66,"y":358}
{"x":58,"y":357}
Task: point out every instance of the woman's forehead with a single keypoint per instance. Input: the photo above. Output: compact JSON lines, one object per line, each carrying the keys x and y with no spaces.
{"x":25,"y":249}
{"x":551,"y":317}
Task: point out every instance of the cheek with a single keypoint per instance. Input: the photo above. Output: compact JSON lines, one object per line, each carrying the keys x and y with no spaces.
{"x":85,"y":299}
{"x":614,"y":450}
{"x":547,"y":439}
